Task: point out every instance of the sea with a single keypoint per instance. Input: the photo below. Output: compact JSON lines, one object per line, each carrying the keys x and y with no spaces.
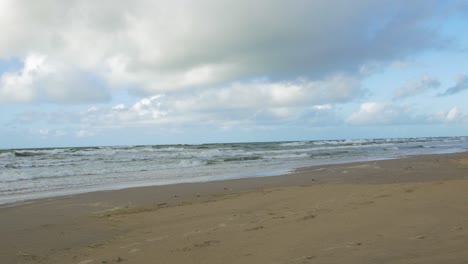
{"x":47,"y":172}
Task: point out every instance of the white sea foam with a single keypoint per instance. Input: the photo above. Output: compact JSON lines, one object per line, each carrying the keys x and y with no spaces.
{"x":294,"y":144}
{"x":288,"y":156}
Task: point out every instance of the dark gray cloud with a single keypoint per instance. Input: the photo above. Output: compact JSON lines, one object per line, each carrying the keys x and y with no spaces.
{"x":166,"y":47}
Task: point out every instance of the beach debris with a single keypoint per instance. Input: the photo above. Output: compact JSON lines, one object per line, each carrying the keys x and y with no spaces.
{"x":154,"y":239}
{"x":419,"y":237}
{"x":95,"y":245}
{"x":255,"y":228}
{"x":134,"y":250}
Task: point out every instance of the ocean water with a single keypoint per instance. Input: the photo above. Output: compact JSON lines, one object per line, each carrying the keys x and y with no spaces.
{"x":35,"y":173}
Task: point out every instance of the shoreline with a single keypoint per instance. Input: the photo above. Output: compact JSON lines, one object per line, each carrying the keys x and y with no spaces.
{"x":293,"y":171}
{"x":90,"y":226}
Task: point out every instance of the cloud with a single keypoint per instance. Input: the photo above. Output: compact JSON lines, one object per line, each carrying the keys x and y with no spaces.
{"x":381,"y":113}
{"x":416,"y":87}
{"x":269,"y":108}
{"x":384,"y":113}
{"x":254,"y":102}
{"x":461,"y":84}
{"x":454,"y":115}
{"x":163,"y":112}
{"x":48,"y":132}
{"x":84,"y":133}
{"x":265,"y":94}
{"x":154,"y":47}
{"x":43,"y":80}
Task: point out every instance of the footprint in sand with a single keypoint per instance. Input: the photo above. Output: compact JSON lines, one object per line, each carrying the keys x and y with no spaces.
{"x":255,"y":228}
{"x":308,"y":217}
{"x":129,"y":245}
{"x":382,"y":195}
{"x":418,"y":237}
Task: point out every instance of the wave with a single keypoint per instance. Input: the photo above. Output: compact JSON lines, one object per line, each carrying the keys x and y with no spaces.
{"x":7,"y":154}
{"x":28,"y":154}
{"x":242,"y":158}
{"x":329,"y":154}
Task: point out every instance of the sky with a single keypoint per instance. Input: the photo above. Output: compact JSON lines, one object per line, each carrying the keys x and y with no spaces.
{"x":110,"y":72}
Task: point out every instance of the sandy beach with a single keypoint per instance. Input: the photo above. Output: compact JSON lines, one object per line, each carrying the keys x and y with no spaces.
{"x":410,"y":210}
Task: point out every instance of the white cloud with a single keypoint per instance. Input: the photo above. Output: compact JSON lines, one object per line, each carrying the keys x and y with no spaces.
{"x":256,"y":102}
{"x":453,"y":115}
{"x":40,"y":79}
{"x":43,"y":132}
{"x":269,"y":108}
{"x":384,"y":113}
{"x":84,"y":133}
{"x":19,"y":86}
{"x":148,"y":108}
{"x":162,"y":112}
{"x":264,"y":94}
{"x":323,"y":107}
{"x":381,"y":113}
{"x":418,"y":86}
{"x":119,"y":107}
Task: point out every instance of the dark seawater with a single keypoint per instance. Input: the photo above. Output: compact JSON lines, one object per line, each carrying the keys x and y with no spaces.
{"x":35,"y":173}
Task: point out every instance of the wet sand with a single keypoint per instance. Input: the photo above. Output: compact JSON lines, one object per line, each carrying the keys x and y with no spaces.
{"x":411,"y":210}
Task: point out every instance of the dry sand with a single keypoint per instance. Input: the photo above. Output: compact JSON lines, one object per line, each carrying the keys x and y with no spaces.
{"x":412,"y":210}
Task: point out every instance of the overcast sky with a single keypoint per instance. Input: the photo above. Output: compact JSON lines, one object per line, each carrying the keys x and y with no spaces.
{"x":76,"y":73}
